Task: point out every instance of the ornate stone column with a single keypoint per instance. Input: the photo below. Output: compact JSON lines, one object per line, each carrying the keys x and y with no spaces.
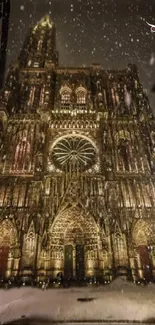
{"x":16,"y":260}
{"x":9,"y":264}
{"x":91,"y":262}
{"x":153,"y":260}
{"x":140,"y":271}
{"x":74,"y":260}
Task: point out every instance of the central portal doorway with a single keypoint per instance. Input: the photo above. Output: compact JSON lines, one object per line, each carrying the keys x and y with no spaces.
{"x":68,"y":267}
{"x":4,"y":252}
{"x":145,"y":261}
{"x":80,"y":261}
{"x":74,"y":261}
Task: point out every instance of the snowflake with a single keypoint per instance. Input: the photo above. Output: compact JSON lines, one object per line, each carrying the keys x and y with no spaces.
{"x":127,"y":98}
{"x":152,"y":59}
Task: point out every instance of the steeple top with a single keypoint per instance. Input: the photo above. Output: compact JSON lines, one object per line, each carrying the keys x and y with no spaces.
{"x":44,"y":22}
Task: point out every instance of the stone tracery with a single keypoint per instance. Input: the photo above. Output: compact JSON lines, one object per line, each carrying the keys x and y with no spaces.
{"x":72,"y":227}
{"x":58,"y":116}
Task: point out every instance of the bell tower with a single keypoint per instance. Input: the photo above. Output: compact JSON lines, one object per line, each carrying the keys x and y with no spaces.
{"x":39,"y":49}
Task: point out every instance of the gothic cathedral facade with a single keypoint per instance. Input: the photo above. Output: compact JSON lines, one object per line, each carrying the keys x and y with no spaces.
{"x":77,"y":167}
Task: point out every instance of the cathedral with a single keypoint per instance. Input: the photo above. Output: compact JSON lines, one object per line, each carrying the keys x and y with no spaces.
{"x":77,"y":167}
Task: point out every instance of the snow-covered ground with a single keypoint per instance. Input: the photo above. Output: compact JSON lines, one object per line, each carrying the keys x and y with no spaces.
{"x":118,"y":301}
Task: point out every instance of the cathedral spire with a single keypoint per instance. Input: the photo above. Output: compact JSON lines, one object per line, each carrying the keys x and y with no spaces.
{"x":44,"y":22}
{"x":39,"y":49}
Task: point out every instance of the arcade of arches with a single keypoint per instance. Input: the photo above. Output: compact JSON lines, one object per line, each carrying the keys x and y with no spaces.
{"x":76,"y":246}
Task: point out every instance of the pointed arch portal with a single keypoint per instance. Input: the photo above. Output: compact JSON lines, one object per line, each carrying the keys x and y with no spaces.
{"x":8,"y":237}
{"x":141,"y":236}
{"x":29,"y":248}
{"x":74,"y":244}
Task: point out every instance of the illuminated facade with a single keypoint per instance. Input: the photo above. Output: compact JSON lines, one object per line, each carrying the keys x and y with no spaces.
{"x":77,"y":166}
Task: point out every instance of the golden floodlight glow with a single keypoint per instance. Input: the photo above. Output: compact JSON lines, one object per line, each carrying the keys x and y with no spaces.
{"x":77,"y":167}
{"x":45,"y":21}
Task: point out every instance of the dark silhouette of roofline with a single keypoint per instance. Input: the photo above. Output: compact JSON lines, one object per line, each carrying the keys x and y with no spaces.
{"x":5,"y":17}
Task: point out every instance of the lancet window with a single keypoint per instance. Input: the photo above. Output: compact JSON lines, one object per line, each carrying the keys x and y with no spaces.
{"x":7,"y":94}
{"x":100,"y":98}
{"x":5,"y":195}
{"x":29,"y":248}
{"x":65,"y":97}
{"x":124,"y":152}
{"x":42,"y":96}
{"x":115,"y":96}
{"x":65,"y":93}
{"x":47,"y":94}
{"x":19,"y":193}
{"x":8,"y":237}
{"x":22,"y":155}
{"x":40,"y":44}
{"x":2,"y":193}
{"x":30,"y":243}
{"x":81,"y":96}
{"x":31,"y":96}
{"x":120,"y":248}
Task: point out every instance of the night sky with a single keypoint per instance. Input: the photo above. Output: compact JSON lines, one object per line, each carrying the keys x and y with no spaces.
{"x":110,"y":32}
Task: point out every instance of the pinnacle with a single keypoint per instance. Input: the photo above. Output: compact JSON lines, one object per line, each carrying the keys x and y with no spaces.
{"x":45,"y":21}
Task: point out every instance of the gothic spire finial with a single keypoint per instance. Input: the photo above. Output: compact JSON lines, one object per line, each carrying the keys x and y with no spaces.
{"x":45,"y":21}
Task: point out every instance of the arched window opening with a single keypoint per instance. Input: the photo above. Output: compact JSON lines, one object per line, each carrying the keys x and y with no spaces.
{"x":7,"y":94}
{"x":47,"y":95}
{"x":65,"y":94}
{"x":40,"y":44}
{"x":22,"y":155}
{"x":31,"y":96}
{"x":30,"y":243}
{"x":100,"y":97}
{"x":115,"y":96}
{"x":18,"y":195}
{"x":142,"y":235}
{"x":99,"y":100}
{"x":29,"y":63}
{"x":2,"y":195}
{"x":81,"y":96}
{"x":120,"y":249}
{"x":42,"y":96}
{"x":7,"y":195}
{"x":124,"y":152}
{"x":8,"y":237}
{"x":65,"y":97}
{"x":29,"y":249}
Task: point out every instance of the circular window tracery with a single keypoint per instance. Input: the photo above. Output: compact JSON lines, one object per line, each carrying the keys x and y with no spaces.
{"x":73,"y":153}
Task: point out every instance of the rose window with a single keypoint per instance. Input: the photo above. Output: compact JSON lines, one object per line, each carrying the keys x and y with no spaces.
{"x":73,"y":153}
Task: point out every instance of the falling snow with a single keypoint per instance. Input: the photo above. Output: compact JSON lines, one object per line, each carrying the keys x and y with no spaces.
{"x":112,"y":33}
{"x":22,"y":7}
{"x":127,"y":99}
{"x":152,"y":59}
